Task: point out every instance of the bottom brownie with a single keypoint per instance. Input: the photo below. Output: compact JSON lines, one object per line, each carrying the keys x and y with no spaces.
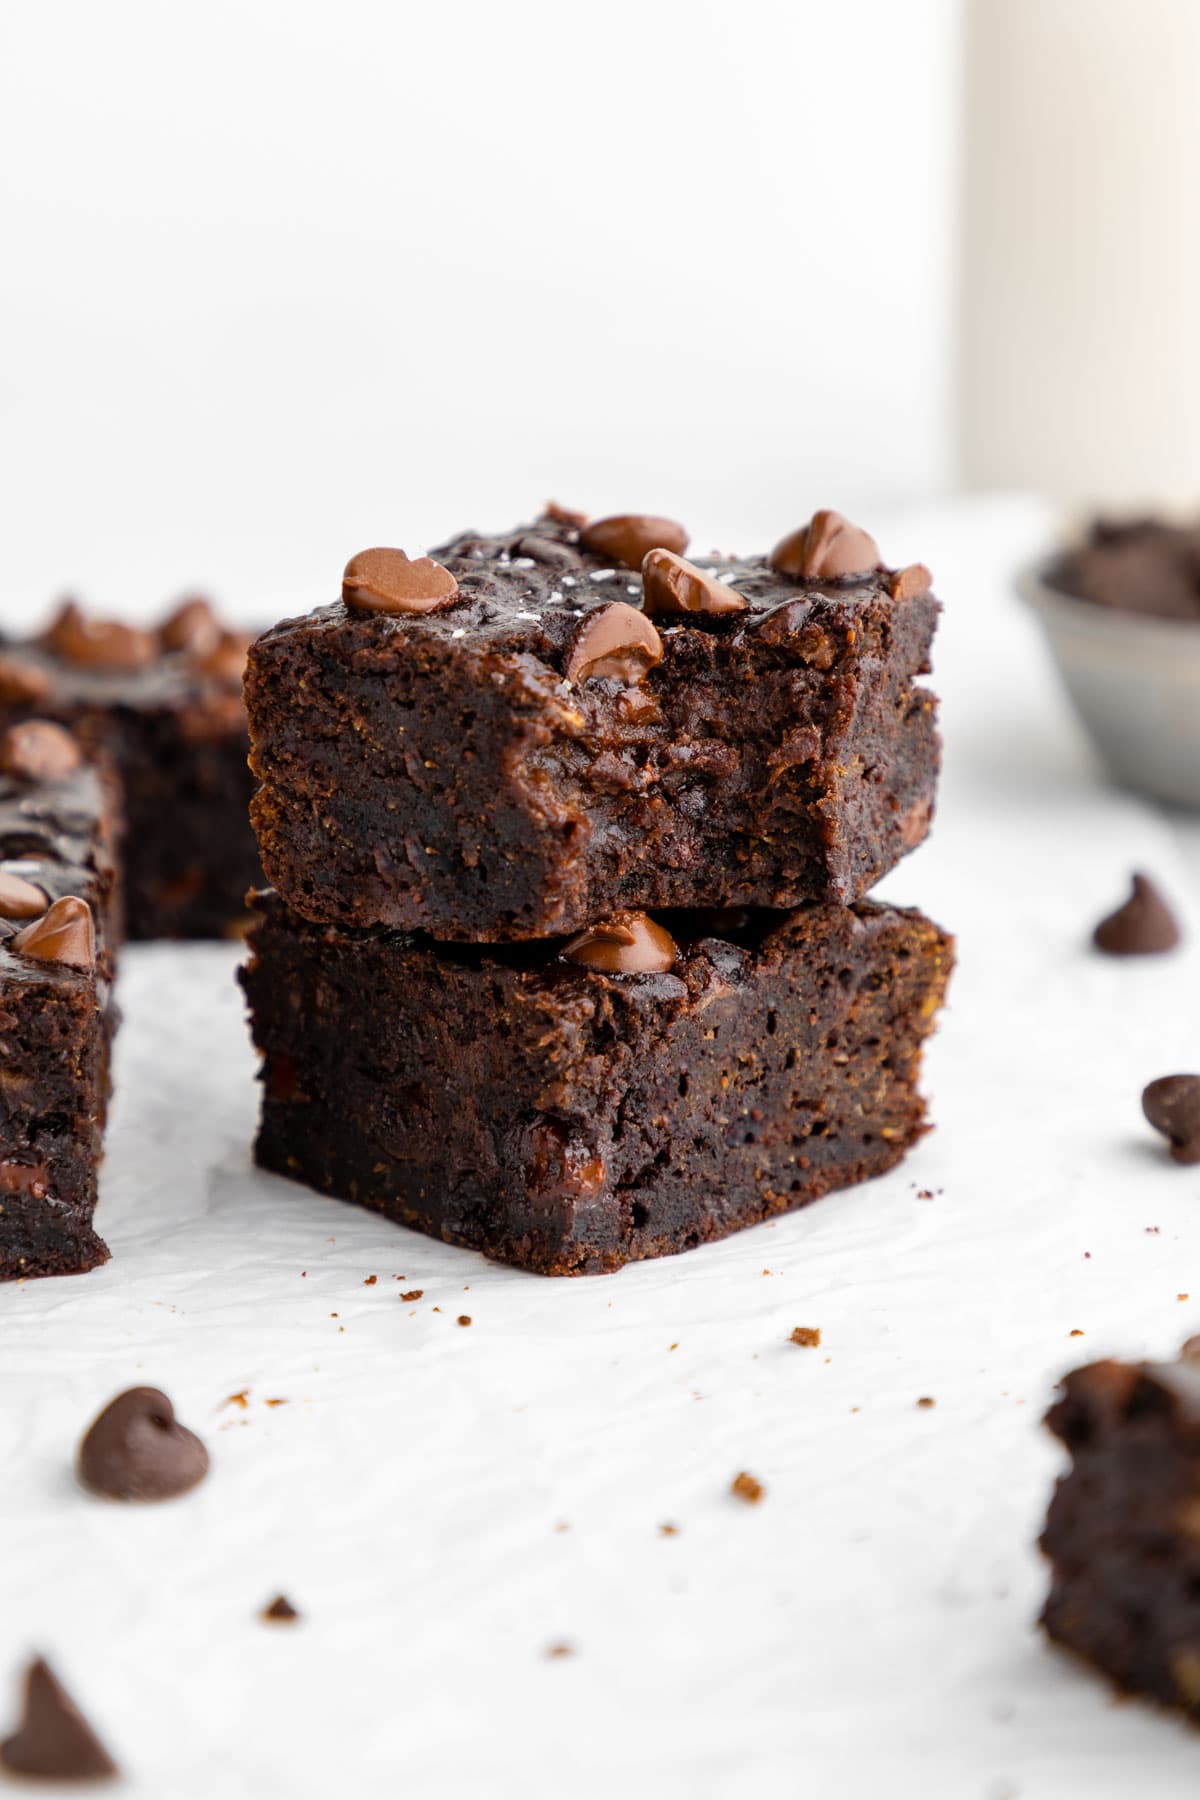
{"x":572,"y":1107}
{"x":1123,"y":1532}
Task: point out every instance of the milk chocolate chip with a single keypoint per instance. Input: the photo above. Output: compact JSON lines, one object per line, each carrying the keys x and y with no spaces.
{"x":628,"y":943}
{"x":226,"y":659}
{"x":54,"y":1741}
{"x":21,"y":682}
{"x":564,"y":515}
{"x":137,"y":1450}
{"x":100,"y":643}
{"x":627,"y":537}
{"x":19,"y":899}
{"x":616,"y":641}
{"x":193,"y":626}
{"x":1172,"y":1105}
{"x":39,"y":751}
{"x":671,"y":586}
{"x":824,"y":549}
{"x":910,"y":583}
{"x":64,"y":935}
{"x":1144,"y":926}
{"x":387,"y":581}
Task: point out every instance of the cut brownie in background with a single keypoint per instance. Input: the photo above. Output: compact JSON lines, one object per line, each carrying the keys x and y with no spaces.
{"x":548,"y":724}
{"x":1123,"y":1532}
{"x":569,"y":1107}
{"x":164,"y":709}
{"x":1135,"y":565}
{"x":58,"y":928}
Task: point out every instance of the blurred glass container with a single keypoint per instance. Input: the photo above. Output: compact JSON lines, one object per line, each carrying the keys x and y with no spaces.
{"x":1080,"y":287}
{"x":1134,"y":680}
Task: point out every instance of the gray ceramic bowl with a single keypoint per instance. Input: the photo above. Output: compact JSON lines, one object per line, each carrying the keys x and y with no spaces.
{"x":1134,"y":681}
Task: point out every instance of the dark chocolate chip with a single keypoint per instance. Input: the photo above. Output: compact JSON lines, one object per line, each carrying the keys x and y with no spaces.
{"x":280,"y":1612}
{"x":136,"y":1450}
{"x":825,"y":549}
{"x":1144,"y":926}
{"x":615,"y":641}
{"x":193,"y":626}
{"x":39,"y":751}
{"x":101,"y":643}
{"x":626,"y":537}
{"x":22,"y":683}
{"x":909,"y":583}
{"x":387,"y":581}
{"x":628,"y":943}
{"x":20,"y":899}
{"x":54,"y":1741}
{"x":1172,"y":1105}
{"x":64,"y":934}
{"x":671,"y":586}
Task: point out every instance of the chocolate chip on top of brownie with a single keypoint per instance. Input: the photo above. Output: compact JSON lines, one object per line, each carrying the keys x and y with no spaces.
{"x":522,"y":732}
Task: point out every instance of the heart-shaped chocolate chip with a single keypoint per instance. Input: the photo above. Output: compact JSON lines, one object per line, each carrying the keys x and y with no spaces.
{"x":388,"y":581}
{"x":137,"y":1450}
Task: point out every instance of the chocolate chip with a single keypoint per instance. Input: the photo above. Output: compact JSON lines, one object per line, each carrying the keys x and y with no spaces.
{"x":22,"y":683}
{"x":615,"y":641}
{"x":825,"y":549}
{"x":547,"y":551}
{"x":136,"y":1450}
{"x":65,"y":934}
{"x":20,"y":899}
{"x":54,"y":1741}
{"x":564,"y":515}
{"x":1144,"y":926}
{"x":1172,"y":1105}
{"x":387,"y":581}
{"x":226,"y":660}
{"x":280,"y":1612}
{"x":671,"y":586}
{"x":100,"y":643}
{"x":193,"y":626}
{"x":39,"y":751}
{"x":628,"y":943}
{"x":627,"y":537}
{"x":910,"y":583}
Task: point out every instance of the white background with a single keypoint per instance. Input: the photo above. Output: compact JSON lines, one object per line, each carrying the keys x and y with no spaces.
{"x":281,"y":279}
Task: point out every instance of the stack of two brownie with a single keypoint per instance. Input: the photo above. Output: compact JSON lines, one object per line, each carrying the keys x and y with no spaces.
{"x":566,"y":958}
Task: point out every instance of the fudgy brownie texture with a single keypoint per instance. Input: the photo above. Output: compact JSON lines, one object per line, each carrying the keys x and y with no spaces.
{"x":539,"y":735}
{"x":1138,"y":565}
{"x":552,"y":1106}
{"x":1123,"y":1532}
{"x":58,"y":926}
{"x":164,"y":709}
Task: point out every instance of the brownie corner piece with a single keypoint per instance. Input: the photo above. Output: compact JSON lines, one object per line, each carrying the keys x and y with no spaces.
{"x":552,"y":735}
{"x":558,"y":1108}
{"x":1123,"y":1530}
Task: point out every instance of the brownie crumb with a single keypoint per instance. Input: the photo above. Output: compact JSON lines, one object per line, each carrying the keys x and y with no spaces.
{"x":808,"y":1336}
{"x":926,"y":1400}
{"x":668,"y":1531}
{"x":1076,"y":1332}
{"x":276,"y":1402}
{"x":747,"y":1488}
{"x":280,"y":1612}
{"x":370,"y":1280}
{"x":413,"y":1294}
{"x":464,"y":1318}
{"x":556,"y":1651}
{"x":241,"y":1398}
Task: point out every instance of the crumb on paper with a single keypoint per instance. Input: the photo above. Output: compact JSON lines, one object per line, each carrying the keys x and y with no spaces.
{"x":672,"y":1346}
{"x":370,"y":1280}
{"x":278,"y":1401}
{"x":464,"y":1318}
{"x":563,"y":1525}
{"x":809,"y":1336}
{"x":926,"y":1401}
{"x":555,"y":1651}
{"x":1183,"y":1296}
{"x":241,"y":1398}
{"x":748,"y":1488}
{"x":668,"y":1531}
{"x":413,"y":1294}
{"x":1076,"y":1332}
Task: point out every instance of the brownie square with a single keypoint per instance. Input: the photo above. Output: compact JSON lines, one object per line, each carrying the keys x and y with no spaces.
{"x":555,"y":1109}
{"x":1123,"y":1531}
{"x":478,"y":771}
{"x":164,"y":710}
{"x":59,"y":913}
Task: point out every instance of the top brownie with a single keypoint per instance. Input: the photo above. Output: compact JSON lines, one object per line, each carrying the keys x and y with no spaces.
{"x":162,"y":710}
{"x":537,"y":728}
